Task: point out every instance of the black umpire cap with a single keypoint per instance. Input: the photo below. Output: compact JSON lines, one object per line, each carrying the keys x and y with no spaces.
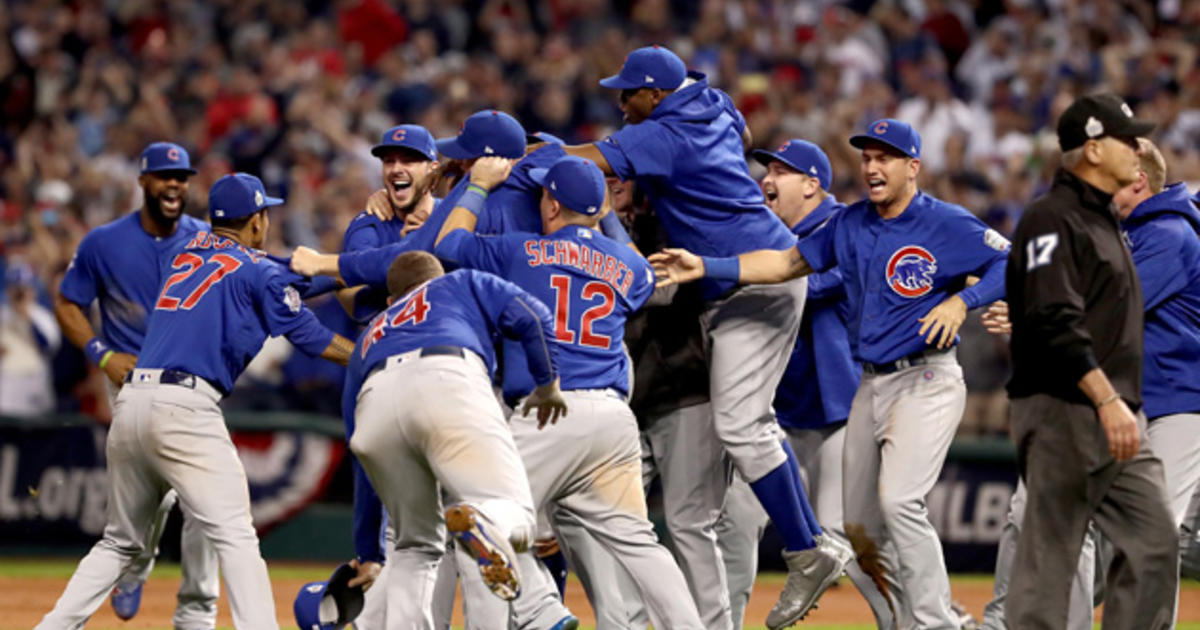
{"x":1098,"y":115}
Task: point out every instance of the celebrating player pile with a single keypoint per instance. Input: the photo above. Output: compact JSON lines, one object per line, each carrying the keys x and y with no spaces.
{"x":524,"y":267}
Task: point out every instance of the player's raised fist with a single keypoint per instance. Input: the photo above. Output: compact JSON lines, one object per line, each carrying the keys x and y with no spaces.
{"x":309,"y":262}
{"x":489,"y":172}
{"x":676,"y":266}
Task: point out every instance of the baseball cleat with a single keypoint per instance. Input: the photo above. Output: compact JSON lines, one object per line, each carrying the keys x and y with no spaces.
{"x":494,"y":554}
{"x":966,"y":621}
{"x":570,"y":622}
{"x":810,"y":572}
{"x":836,"y":548}
{"x":126,"y":601}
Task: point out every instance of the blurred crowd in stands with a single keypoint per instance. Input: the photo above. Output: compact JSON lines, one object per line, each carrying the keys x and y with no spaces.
{"x":297,"y":92}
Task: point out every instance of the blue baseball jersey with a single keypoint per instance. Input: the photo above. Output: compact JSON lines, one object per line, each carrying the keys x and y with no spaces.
{"x":689,"y":159}
{"x":896,"y":270}
{"x":821,"y":376}
{"x":592,"y":284}
{"x":1162,"y":234}
{"x":367,"y":232}
{"x":217,"y":306}
{"x":119,"y":263}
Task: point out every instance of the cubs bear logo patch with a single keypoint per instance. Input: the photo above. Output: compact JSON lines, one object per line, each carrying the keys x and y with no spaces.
{"x":910,"y":271}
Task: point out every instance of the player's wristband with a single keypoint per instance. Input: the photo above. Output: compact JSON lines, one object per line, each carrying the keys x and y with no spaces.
{"x":611,"y":227}
{"x":722,"y":268}
{"x":1115,"y":396}
{"x":472,"y":200}
{"x":97,"y":351}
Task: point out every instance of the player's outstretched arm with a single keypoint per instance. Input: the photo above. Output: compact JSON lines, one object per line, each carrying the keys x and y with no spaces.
{"x":764,"y":266}
{"x":548,"y":401}
{"x":310,"y":262}
{"x":590,"y":152}
{"x":486,"y":174}
{"x":338,"y":350}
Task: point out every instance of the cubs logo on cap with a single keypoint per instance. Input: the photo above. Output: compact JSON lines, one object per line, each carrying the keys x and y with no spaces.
{"x":803,"y":157}
{"x":910,"y":271}
{"x":329,"y":605}
{"x":894,"y":133}
{"x":487,"y":133}
{"x":652,"y":66}
{"x":412,"y":138}
{"x":238,"y":195}
{"x":165,"y":156}
{"x":574,"y":182}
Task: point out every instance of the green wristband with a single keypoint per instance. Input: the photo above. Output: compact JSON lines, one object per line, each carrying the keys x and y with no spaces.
{"x":104,"y":359}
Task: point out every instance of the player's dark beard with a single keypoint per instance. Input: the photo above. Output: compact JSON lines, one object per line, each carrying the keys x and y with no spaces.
{"x":154,"y":207}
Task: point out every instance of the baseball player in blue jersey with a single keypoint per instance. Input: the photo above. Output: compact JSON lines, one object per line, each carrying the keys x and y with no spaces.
{"x":904,"y":258}
{"x":683,"y":144}
{"x":118,"y":264}
{"x":168,"y":431}
{"x":426,"y":416}
{"x":813,"y":399}
{"x":1161,"y":226}
{"x":590,"y":468}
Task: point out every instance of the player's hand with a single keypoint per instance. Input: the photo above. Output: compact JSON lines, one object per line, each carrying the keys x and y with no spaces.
{"x":1121,"y":429}
{"x":489,"y":172}
{"x":545,"y":547}
{"x":548,"y":401}
{"x":307,"y":261}
{"x":414,"y":220}
{"x":379,"y":205}
{"x":367,"y":572}
{"x":942,"y":321}
{"x":995,"y":319}
{"x":118,"y":365}
{"x":676,"y":266}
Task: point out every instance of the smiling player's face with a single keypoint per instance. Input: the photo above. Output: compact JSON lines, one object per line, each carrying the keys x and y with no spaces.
{"x":165,"y":194}
{"x":406,"y":176}
{"x":785,"y":188}
{"x":637,"y":104}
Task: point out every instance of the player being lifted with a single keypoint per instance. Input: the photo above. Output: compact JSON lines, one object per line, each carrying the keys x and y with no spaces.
{"x":904,"y":258}
{"x":221,"y":301}
{"x":684,"y":144}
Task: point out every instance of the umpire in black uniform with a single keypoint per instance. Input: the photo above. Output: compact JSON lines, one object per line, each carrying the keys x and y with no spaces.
{"x":1076,"y":310}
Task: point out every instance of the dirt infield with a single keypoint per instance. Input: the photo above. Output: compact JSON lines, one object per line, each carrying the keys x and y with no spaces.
{"x":25,"y":599}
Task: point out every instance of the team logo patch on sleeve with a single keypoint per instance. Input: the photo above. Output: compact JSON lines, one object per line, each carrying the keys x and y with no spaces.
{"x":996,"y":240}
{"x":910,"y":271}
{"x":291,"y":298}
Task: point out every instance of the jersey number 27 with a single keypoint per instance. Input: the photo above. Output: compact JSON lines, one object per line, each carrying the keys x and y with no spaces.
{"x":562,"y":311}
{"x":191,"y":263}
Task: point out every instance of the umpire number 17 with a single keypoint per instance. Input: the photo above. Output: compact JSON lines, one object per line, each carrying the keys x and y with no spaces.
{"x":1038,"y":251}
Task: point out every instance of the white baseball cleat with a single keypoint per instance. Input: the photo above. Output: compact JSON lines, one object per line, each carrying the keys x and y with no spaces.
{"x":494,"y":553}
{"x":810,"y":572}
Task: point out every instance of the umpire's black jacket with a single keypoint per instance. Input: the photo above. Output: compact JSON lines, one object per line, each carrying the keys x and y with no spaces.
{"x":1074,"y":297}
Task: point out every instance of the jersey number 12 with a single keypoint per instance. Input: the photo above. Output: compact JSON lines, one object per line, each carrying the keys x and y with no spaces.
{"x":562,"y":311}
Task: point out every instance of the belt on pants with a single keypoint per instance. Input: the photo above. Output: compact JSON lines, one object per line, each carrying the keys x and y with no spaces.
{"x":917,"y":358}
{"x":427,"y":351}
{"x":174,"y":377}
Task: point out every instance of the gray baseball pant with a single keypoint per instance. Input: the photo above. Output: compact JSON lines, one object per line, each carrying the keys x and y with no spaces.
{"x":819,"y":452}
{"x":162,"y":437}
{"x":374,"y":612}
{"x":200,"y":581}
{"x":897,"y":436}
{"x":1071,"y":479}
{"x":422,"y":422}
{"x":589,"y":466}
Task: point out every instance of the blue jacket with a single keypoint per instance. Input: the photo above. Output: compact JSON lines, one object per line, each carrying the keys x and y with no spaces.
{"x":1162,"y":234}
{"x":819,"y":382}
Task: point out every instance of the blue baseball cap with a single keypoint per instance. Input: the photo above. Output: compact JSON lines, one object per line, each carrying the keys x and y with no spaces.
{"x":165,"y":156}
{"x":331,"y":604}
{"x":574,"y":182}
{"x":803,"y":156}
{"x":649,"y":67}
{"x":413,"y":138}
{"x":238,"y":195}
{"x":487,"y":133}
{"x":542,"y":136}
{"x":898,"y":135}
